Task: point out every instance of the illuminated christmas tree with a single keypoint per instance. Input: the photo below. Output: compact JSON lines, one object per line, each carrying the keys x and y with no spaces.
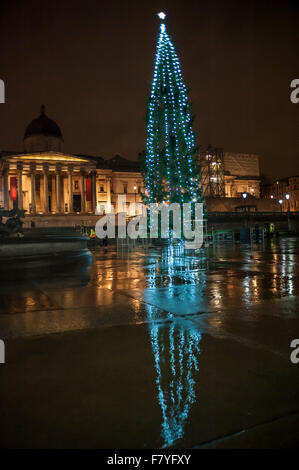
{"x":170,"y":169}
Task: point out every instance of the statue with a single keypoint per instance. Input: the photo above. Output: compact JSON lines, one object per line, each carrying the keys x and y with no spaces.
{"x":13,"y":223}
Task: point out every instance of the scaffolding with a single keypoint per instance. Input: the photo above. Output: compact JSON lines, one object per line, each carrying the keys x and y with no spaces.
{"x":212,"y":171}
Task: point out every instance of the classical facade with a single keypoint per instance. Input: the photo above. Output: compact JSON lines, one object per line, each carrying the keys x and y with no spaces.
{"x":43,"y":180}
{"x":48,"y":182}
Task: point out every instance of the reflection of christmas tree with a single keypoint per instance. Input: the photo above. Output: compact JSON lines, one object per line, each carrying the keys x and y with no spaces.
{"x":176,"y":351}
{"x":170,"y":169}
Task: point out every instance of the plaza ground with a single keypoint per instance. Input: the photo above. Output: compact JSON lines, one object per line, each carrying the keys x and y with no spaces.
{"x":154,"y":347}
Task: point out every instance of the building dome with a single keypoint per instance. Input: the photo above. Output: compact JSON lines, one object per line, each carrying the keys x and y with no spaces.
{"x":43,"y":134}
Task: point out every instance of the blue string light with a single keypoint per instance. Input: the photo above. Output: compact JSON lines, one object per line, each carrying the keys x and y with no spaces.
{"x":171,"y":171}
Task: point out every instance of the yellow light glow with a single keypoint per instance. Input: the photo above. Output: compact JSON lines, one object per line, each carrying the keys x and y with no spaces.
{"x":51,"y":157}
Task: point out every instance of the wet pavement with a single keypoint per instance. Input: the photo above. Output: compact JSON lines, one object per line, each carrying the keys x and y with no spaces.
{"x":153,"y":347}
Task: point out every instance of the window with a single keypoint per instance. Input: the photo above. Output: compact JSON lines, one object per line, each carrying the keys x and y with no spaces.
{"x":76,"y":185}
{"x":101,"y":189}
{"x":125,"y":188}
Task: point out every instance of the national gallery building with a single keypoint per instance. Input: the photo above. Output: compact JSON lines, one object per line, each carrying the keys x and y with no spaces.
{"x":44,"y":180}
{"x":60,"y":189}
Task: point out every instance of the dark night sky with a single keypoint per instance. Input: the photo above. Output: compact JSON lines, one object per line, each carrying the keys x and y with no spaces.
{"x":91,"y":63}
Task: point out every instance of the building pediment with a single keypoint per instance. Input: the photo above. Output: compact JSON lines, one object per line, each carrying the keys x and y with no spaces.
{"x":47,"y":159}
{"x":51,"y":157}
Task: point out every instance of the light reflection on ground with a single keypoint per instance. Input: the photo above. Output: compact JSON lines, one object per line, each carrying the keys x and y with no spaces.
{"x":204,"y":337}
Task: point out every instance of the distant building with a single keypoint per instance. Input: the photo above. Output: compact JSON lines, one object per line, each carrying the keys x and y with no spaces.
{"x":285,"y":192}
{"x":242,"y":174}
{"x":228,"y":174}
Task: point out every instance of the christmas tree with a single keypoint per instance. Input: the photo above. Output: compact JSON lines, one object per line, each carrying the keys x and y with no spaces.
{"x":170,"y":169}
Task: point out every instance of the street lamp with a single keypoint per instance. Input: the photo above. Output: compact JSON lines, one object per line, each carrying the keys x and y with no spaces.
{"x":244,"y":195}
{"x":288,"y":199}
{"x":280,"y":202}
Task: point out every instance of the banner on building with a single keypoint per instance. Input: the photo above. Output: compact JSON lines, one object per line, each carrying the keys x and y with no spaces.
{"x":88,"y":189}
{"x":13,"y":191}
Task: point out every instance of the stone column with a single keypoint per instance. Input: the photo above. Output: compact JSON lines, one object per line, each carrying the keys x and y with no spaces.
{"x":94,"y":190}
{"x":108,"y":183}
{"x":46,"y":192}
{"x":20,"y":187}
{"x":58,"y":189}
{"x":53,"y":193}
{"x":33,"y":198}
{"x":70,"y":178}
{"x":83,"y":205}
{"x":5,"y":189}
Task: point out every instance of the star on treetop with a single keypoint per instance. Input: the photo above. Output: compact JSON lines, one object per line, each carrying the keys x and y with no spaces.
{"x":162,"y":15}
